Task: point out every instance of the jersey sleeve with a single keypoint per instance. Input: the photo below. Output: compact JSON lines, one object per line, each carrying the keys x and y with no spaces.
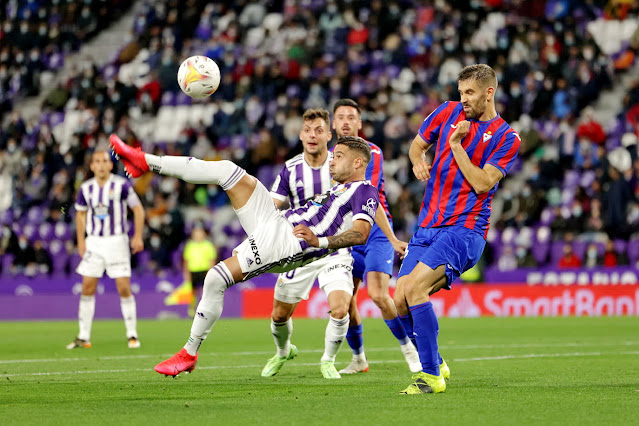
{"x":280,"y":190}
{"x":128,"y":193}
{"x":364,"y":203}
{"x":505,"y":153}
{"x":431,"y":127}
{"x":81,"y":202}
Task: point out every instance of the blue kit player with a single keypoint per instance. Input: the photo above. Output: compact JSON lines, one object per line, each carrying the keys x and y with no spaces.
{"x":473,"y":150}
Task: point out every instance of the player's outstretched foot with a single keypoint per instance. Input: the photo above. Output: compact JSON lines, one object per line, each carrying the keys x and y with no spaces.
{"x":412,"y":357}
{"x":79,"y":343}
{"x":425,"y":383}
{"x":133,"y":158}
{"x":134,"y":343}
{"x":444,"y":370}
{"x":274,"y":364}
{"x":178,"y":363}
{"x":356,"y":366}
{"x":329,"y":371}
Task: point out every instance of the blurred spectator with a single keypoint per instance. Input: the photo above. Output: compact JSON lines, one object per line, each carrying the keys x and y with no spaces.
{"x":42,"y":258}
{"x":159,"y":253}
{"x":569,"y":259}
{"x":611,"y":257}
{"x":24,"y":256}
{"x":507,"y":261}
{"x":525,"y":258}
{"x":592,"y":256}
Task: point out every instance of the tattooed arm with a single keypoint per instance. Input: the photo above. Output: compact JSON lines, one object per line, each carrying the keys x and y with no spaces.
{"x":355,"y":236}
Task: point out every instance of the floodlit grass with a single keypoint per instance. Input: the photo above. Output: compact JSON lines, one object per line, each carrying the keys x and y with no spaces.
{"x":504,"y":371}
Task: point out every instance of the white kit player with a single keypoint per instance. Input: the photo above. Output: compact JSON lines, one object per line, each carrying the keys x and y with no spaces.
{"x":303,"y":177}
{"x":101,"y":206}
{"x":277,"y":241}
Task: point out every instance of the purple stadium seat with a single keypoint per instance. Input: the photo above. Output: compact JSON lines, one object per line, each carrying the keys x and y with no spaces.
{"x":579,"y":247}
{"x":547,"y":216}
{"x":543,"y":235}
{"x":6,"y":217}
{"x":168,"y":98}
{"x":7,"y":261}
{"x":620,"y":246}
{"x":74,"y":261}
{"x":182,"y":99}
{"x":540,"y":253}
{"x":56,"y":248}
{"x":29,"y":230}
{"x":35,"y":215}
{"x":556,"y":251}
{"x":62,"y":231}
{"x":633,"y":251}
{"x":45,"y":231}
{"x":60,"y":262}
{"x":508,"y":235}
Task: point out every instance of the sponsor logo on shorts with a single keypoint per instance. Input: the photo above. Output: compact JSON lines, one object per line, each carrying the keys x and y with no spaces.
{"x":370,"y":207}
{"x":256,"y":254}
{"x":339,"y":266}
{"x":249,"y":261}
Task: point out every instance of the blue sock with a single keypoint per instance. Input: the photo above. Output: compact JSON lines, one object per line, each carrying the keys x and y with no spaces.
{"x":407,"y":322}
{"x":397,"y":329}
{"x":355,"y":339}
{"x":426,"y":329}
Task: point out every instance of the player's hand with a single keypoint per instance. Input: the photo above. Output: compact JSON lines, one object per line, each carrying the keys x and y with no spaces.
{"x":305,"y":233}
{"x":81,"y":248}
{"x":422,"y":171}
{"x":137,"y":244}
{"x":461,"y":130}
{"x":400,"y":247}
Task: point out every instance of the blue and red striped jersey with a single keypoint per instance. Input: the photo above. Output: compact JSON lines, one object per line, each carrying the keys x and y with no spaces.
{"x":449,"y":199}
{"x":375,"y":174}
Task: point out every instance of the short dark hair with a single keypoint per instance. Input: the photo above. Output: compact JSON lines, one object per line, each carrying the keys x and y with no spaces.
{"x":357,"y":144}
{"x":482,"y":73}
{"x":313,"y":113}
{"x":347,"y":102}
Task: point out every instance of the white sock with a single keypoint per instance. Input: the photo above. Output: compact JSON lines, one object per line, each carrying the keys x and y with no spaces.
{"x":360,"y":356}
{"x":85,"y":316}
{"x":282,"y":332}
{"x":224,"y":173}
{"x":335,"y":335}
{"x":209,"y":310}
{"x":127,"y":304}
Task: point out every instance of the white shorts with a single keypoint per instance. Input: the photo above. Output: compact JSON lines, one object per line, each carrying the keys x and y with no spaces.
{"x":271,"y":245}
{"x":333,"y":273}
{"x":110,"y":253}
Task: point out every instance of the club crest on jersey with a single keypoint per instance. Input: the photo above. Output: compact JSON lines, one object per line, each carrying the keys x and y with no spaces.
{"x":487,"y":136}
{"x":340,"y":191}
{"x":370,"y":207}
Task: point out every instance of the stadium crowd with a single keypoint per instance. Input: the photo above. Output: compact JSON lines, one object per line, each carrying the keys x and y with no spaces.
{"x":576,"y":186}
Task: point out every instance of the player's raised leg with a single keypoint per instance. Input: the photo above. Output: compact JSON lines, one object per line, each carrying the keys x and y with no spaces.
{"x":238,"y":185}
{"x":281,"y":329}
{"x":222,"y":276}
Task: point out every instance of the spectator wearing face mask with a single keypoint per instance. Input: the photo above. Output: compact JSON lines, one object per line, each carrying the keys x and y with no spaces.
{"x":24,"y":256}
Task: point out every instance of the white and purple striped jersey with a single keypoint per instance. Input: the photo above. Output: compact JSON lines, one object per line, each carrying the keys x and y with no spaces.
{"x":300,"y":182}
{"x":106,"y":206}
{"x":334,"y":211}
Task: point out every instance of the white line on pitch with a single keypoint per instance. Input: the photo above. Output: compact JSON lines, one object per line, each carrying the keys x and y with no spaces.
{"x":394,"y":361}
{"x":250,"y":353}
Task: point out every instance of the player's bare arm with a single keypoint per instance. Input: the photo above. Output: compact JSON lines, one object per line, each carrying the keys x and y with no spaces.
{"x":80,"y":227}
{"x":278,"y":203}
{"x":482,"y":180}
{"x":418,"y":149}
{"x":137,"y":244}
{"x":355,"y":236}
{"x":382,"y":221}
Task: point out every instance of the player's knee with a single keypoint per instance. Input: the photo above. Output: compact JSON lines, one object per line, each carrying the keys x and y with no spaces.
{"x":340,"y":311}
{"x":381,"y":299}
{"x":280,"y":314}
{"x":214,"y":285}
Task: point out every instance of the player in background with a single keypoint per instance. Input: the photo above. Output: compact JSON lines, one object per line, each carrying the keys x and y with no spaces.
{"x":302,"y":178}
{"x":374,"y":259}
{"x":474,"y":149}
{"x":277,"y":241}
{"x":101,"y":206}
{"x":198,"y":257}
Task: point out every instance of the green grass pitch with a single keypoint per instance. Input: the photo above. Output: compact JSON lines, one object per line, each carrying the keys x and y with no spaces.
{"x":505,"y":371}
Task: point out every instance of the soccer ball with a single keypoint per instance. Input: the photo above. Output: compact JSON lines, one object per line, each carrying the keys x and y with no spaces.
{"x":198,"y":76}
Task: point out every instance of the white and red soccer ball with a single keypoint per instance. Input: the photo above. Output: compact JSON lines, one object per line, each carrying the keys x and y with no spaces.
{"x":198,"y":76}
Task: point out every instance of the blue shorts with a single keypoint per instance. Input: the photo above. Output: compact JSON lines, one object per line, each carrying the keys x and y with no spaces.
{"x":456,"y":247}
{"x":376,"y":255}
